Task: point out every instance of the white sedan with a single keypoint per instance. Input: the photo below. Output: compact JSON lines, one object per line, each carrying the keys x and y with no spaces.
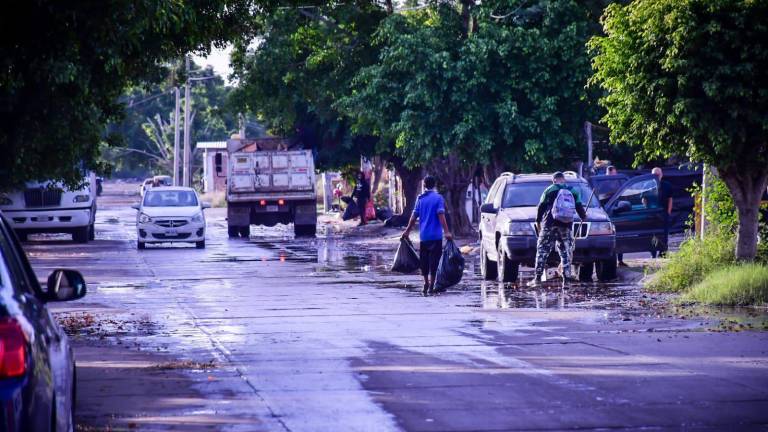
{"x":170,"y":214}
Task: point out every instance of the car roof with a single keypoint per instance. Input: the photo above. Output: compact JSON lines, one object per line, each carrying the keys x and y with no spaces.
{"x":172,"y":188}
{"x":570,"y":177}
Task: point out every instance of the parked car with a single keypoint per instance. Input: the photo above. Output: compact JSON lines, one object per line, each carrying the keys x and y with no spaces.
{"x":170,"y":214}
{"x":508,"y":230}
{"x":635,"y":212}
{"x":37,"y":367}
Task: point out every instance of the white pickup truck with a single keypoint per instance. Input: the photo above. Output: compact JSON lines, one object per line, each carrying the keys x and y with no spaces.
{"x":268,"y":184}
{"x":52,"y":207}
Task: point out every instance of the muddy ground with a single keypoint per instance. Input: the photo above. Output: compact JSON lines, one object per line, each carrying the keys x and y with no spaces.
{"x":276,"y":333}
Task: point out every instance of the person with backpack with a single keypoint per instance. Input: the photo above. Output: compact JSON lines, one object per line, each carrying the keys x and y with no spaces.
{"x":557,"y":208}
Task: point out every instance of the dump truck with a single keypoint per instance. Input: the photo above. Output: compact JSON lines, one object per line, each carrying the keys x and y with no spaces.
{"x":269,"y":183}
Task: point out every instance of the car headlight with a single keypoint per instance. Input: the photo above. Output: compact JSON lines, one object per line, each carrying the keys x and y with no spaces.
{"x":81,"y":198}
{"x":601,"y":228}
{"x":520,"y":229}
{"x":4,"y":200}
{"x":143,"y":218}
{"x":197,"y":218}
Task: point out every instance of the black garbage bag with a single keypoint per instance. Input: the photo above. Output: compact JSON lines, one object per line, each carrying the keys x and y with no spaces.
{"x":406,"y":258}
{"x":396,"y":221}
{"x":383,"y":213}
{"x":351,"y":211}
{"x":451,"y":267}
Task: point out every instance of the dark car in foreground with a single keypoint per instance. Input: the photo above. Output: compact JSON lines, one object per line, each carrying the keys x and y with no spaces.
{"x":37,"y":368}
{"x":508,"y":233}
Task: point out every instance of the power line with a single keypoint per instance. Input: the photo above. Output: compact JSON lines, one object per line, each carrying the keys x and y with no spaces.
{"x":131,"y":104}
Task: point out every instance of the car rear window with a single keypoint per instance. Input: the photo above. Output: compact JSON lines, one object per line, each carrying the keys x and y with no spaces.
{"x":529,"y":194}
{"x":170,"y":198}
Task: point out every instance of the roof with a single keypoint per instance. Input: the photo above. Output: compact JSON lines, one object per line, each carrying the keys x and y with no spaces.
{"x":171,"y":188}
{"x":212,"y":145}
{"x":570,"y":177}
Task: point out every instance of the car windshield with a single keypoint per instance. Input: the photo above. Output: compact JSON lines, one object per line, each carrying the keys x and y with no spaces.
{"x":529,"y":194}
{"x":170,"y":198}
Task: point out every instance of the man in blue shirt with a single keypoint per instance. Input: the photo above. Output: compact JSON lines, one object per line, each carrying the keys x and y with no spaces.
{"x":430,"y":211}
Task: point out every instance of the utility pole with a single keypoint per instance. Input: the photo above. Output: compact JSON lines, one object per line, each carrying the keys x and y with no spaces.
{"x":187,"y":129}
{"x":588,"y":133}
{"x":176,"y":136}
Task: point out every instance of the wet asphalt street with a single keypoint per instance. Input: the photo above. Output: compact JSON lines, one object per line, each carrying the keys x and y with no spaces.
{"x":283,"y":334}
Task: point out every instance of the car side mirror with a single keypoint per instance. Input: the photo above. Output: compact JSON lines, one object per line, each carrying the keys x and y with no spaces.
{"x":622,"y":207}
{"x":205,"y":205}
{"x":488,"y":208}
{"x":135,"y":206}
{"x":65,"y":285}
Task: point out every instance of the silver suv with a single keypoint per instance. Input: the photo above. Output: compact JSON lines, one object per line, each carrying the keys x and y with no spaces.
{"x":508,"y":229}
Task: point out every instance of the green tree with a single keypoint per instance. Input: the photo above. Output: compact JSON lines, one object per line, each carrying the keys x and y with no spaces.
{"x":689,"y":78}
{"x":456,"y":86}
{"x":148,"y":127}
{"x":64,"y":65}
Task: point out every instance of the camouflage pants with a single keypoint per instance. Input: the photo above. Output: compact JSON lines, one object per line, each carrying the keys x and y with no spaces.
{"x":549,"y":237}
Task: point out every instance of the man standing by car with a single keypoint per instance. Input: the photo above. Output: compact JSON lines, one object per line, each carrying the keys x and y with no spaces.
{"x":554,"y":225}
{"x":430,"y":211}
{"x":665,"y":202}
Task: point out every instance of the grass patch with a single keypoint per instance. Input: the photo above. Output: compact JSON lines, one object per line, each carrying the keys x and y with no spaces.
{"x":693,"y":262}
{"x":735,"y":285}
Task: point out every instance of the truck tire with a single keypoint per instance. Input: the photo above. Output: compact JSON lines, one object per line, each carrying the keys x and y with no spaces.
{"x":233,"y":231}
{"x":606,"y":270}
{"x":585,"y":272}
{"x":245,"y":231}
{"x":80,"y":235}
{"x":507,"y":270}
{"x":305,"y":230}
{"x":488,"y":268}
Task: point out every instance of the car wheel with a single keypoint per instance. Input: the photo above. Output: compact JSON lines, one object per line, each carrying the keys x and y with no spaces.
{"x":140,"y":245}
{"x":606,"y":270}
{"x":487,"y":267}
{"x":585,"y":272}
{"x":200,"y":244}
{"x":91,"y":232}
{"x":507,"y":270}
{"x":80,"y":235}
{"x":245,"y":231}
{"x":23,"y":236}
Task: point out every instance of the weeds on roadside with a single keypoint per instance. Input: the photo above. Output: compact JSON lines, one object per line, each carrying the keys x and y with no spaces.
{"x":735,"y":285}
{"x":695,"y":259}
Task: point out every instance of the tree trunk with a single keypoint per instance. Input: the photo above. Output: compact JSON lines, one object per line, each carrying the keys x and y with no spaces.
{"x":456,"y":177}
{"x":411,"y":178}
{"x":747,"y":189}
{"x":378,"y":170}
